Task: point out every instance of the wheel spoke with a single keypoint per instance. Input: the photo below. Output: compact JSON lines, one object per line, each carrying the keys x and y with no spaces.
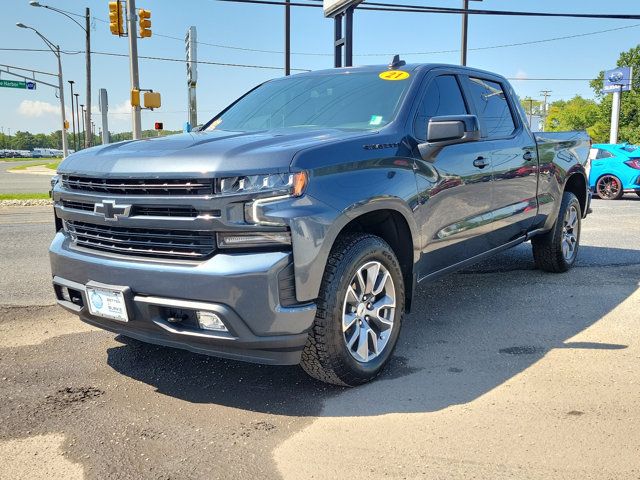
{"x":374,"y":340}
{"x":372,"y":276}
{"x":363,"y":343}
{"x":352,"y":293}
{"x":361,"y":284}
{"x":348,"y":319}
{"x":381,"y":284}
{"x":354,"y":336}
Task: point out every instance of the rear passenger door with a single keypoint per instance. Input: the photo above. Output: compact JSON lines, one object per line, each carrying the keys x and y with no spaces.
{"x":454,"y":193}
{"x":512,"y":151}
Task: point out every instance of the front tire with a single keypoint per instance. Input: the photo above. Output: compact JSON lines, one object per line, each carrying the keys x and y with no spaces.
{"x":556,"y":251}
{"x":360,"y":309}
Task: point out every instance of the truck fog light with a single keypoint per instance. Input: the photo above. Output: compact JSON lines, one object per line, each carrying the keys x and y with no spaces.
{"x":210,"y":321}
{"x":253,"y":239}
{"x":64,"y":293}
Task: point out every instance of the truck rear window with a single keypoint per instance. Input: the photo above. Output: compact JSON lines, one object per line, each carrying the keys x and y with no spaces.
{"x":362,"y":101}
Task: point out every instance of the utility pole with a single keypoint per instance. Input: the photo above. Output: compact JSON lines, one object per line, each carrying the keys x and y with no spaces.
{"x":103,"y":101}
{"x":545,"y":94}
{"x":287,"y":37}
{"x":87,"y":15}
{"x":73,"y":118}
{"x":465,"y":27}
{"x":615,"y":115}
{"x":133,"y":67}
{"x":464,"y":34}
{"x":191,"y":46}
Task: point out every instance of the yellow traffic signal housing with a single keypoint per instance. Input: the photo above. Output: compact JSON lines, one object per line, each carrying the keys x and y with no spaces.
{"x":135,"y":98}
{"x":152,"y":100}
{"x":66,"y":124}
{"x":144,"y":22}
{"x":116,"y":18}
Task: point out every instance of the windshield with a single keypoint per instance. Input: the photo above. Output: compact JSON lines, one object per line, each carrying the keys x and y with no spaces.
{"x":360,"y":100}
{"x":630,"y":148}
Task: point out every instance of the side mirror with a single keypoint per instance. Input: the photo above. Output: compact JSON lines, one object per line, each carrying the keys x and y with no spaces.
{"x":450,"y":130}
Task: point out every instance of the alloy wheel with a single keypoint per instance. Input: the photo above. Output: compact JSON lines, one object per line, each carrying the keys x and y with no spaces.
{"x":608,"y":187}
{"x":570,"y":232}
{"x":369,"y":311}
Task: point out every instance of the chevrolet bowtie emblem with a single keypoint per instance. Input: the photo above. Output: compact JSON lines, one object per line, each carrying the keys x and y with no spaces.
{"x":111,"y":211}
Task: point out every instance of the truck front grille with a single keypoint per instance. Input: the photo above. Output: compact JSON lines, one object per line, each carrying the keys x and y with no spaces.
{"x":147,"y":186}
{"x":175,"y":244}
{"x":146,"y":211}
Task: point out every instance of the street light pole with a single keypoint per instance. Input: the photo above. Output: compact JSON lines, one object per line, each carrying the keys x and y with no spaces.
{"x":56,"y":51}
{"x":465,"y":27}
{"x":87,"y":31}
{"x":73,"y":118}
{"x":80,"y":139}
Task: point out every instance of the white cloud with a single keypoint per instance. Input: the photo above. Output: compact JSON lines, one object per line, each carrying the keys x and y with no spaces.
{"x":36,"y":108}
{"x":521,"y":75}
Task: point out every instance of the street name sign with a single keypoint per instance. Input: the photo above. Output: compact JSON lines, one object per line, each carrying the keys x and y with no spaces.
{"x":18,"y":84}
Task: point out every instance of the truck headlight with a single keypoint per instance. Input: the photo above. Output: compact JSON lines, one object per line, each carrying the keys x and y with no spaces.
{"x":277,"y":183}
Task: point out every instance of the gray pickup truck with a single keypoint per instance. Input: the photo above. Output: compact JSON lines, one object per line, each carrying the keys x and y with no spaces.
{"x":294,"y":226}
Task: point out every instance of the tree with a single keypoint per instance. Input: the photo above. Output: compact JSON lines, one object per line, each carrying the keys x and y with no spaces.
{"x":575,"y":114}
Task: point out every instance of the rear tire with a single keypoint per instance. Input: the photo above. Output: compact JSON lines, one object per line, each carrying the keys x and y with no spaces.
{"x":609,"y":187}
{"x":556,"y":251}
{"x":359,"y":313}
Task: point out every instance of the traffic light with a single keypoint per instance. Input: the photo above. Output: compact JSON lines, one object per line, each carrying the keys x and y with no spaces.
{"x":116,"y":18}
{"x":151,"y":100}
{"x":66,"y":124}
{"x":135,"y":98}
{"x":144,"y":21}
{"x":158,"y":126}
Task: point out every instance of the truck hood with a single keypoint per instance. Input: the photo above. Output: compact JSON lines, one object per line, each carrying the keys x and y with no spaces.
{"x":200,"y":154}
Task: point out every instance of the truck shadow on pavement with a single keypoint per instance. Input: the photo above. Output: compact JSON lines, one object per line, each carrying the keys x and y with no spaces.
{"x":467,"y":334}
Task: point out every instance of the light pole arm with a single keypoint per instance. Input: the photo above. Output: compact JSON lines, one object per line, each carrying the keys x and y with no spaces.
{"x":62,"y":12}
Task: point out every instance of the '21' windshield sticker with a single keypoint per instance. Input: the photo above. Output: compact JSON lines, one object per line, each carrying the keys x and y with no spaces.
{"x":394,"y":75}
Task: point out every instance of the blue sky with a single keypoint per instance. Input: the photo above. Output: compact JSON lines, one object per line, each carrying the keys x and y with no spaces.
{"x":261,"y":27}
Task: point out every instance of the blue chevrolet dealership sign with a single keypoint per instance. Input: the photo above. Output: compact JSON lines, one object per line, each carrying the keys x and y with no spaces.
{"x":617,"y":80}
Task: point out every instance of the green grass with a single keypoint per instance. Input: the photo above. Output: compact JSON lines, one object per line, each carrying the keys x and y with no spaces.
{"x":23,"y":196}
{"x":20,"y":159}
{"x":52,"y":165}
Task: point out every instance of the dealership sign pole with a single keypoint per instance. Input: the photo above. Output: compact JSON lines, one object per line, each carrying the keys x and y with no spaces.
{"x":616,"y":81}
{"x":337,"y":9}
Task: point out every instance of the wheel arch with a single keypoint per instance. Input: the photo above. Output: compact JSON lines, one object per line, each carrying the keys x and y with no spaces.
{"x":393,"y":227}
{"x":578,"y":184}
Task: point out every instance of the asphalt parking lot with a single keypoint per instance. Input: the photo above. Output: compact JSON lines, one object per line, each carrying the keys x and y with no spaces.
{"x":502,"y":371}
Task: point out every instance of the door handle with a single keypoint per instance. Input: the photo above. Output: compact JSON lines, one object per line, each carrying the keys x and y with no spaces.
{"x":527,"y":156}
{"x":480,"y":162}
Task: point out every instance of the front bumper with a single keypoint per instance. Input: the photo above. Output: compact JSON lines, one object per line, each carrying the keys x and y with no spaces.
{"x":243,"y":289}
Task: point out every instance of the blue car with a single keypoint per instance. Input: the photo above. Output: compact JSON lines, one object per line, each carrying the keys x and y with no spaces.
{"x":615,"y":170}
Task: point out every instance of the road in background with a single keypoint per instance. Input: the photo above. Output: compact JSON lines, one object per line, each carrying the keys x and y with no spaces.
{"x":23,"y":182}
{"x":501,"y":371}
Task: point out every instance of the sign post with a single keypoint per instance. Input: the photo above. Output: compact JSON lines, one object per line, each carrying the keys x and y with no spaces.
{"x":616,"y":81}
{"x":337,"y":9}
{"x":103,"y":102}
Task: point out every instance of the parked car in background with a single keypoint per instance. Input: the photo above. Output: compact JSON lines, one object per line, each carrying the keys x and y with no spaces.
{"x":615,"y":170}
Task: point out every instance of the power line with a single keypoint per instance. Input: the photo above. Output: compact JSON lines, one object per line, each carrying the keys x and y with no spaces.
{"x":388,"y":7}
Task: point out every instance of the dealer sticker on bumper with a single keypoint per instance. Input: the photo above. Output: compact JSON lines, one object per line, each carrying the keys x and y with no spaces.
{"x":107,"y":303}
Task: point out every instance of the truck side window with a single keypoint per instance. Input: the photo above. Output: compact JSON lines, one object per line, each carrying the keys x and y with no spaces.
{"x":496,"y":119}
{"x":442,"y":97}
